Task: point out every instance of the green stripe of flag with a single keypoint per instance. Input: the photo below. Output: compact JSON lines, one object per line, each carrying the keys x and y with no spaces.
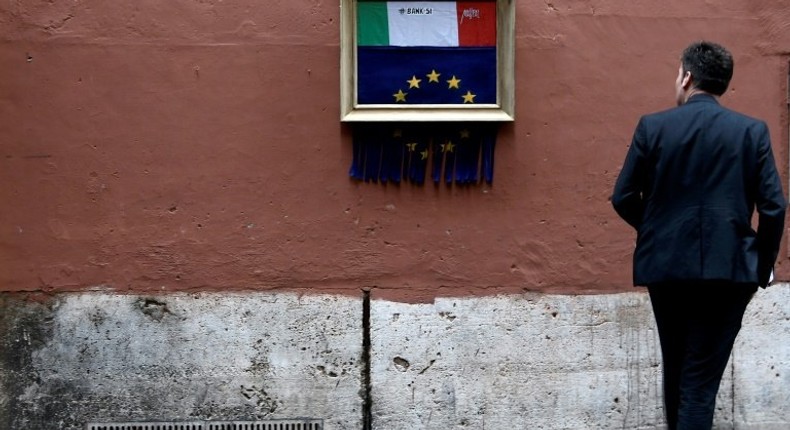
{"x":372,"y":23}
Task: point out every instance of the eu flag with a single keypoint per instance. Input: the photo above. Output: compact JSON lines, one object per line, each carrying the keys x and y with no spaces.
{"x":426,"y":75}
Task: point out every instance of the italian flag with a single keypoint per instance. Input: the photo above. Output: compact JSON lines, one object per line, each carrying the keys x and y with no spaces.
{"x":426,"y":23}
{"x":426,"y":52}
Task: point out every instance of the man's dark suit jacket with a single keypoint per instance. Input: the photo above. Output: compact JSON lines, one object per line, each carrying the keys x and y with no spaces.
{"x":689,"y":186}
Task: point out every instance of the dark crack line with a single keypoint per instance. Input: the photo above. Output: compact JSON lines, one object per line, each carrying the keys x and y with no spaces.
{"x":367,"y":398}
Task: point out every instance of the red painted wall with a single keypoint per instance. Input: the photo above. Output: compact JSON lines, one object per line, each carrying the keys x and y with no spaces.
{"x":195,"y":145}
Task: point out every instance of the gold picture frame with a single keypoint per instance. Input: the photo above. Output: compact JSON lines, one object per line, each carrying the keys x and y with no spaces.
{"x":502,"y":110}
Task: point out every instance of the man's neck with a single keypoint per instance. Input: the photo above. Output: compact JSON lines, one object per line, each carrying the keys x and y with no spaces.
{"x":696,"y":91}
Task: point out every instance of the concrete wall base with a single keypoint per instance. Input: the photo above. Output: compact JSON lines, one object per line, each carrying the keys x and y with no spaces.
{"x":526,"y":361}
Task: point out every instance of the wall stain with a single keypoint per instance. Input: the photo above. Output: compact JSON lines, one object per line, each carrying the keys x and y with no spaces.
{"x":155,"y":309}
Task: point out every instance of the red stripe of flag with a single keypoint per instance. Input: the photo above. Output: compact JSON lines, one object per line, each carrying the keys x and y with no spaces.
{"x":476,"y":23}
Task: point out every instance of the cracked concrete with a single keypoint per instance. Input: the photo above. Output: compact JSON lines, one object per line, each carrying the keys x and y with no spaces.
{"x":519,"y":361}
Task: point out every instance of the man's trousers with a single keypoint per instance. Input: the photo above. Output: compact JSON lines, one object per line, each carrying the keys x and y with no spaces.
{"x":697,"y":325}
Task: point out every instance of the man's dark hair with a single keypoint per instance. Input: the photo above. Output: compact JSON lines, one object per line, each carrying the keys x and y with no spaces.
{"x":710,"y":65}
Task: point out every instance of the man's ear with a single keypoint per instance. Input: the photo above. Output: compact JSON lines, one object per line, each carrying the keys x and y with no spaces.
{"x":687,"y":80}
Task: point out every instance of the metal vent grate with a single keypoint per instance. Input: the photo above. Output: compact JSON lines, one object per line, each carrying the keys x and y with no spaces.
{"x":266,"y":425}
{"x":148,"y":426}
{"x":293,"y":424}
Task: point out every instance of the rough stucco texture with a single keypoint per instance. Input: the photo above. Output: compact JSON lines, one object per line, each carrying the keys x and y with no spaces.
{"x":196,"y":145}
{"x":530,"y":361}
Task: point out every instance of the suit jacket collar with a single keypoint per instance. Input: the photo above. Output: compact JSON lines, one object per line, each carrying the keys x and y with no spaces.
{"x":702,"y":98}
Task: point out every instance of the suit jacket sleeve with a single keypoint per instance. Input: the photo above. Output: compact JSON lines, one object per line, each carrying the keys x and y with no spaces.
{"x":771,"y":205}
{"x":628,"y":190}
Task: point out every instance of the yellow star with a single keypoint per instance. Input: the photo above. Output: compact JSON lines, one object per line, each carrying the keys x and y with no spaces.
{"x":414,"y":82}
{"x":397,"y":133}
{"x":424,"y":155}
{"x":400,"y":96}
{"x":448,"y":147}
{"x":453,"y":82}
{"x":468,"y":97}
{"x":412,"y":146}
{"x":433,"y":76}
{"x":464,"y":134}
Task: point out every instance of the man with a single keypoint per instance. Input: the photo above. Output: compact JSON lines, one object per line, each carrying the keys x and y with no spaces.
{"x":690,"y":183}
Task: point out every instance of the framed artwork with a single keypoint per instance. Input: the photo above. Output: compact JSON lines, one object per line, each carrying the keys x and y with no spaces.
{"x":427,"y":60}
